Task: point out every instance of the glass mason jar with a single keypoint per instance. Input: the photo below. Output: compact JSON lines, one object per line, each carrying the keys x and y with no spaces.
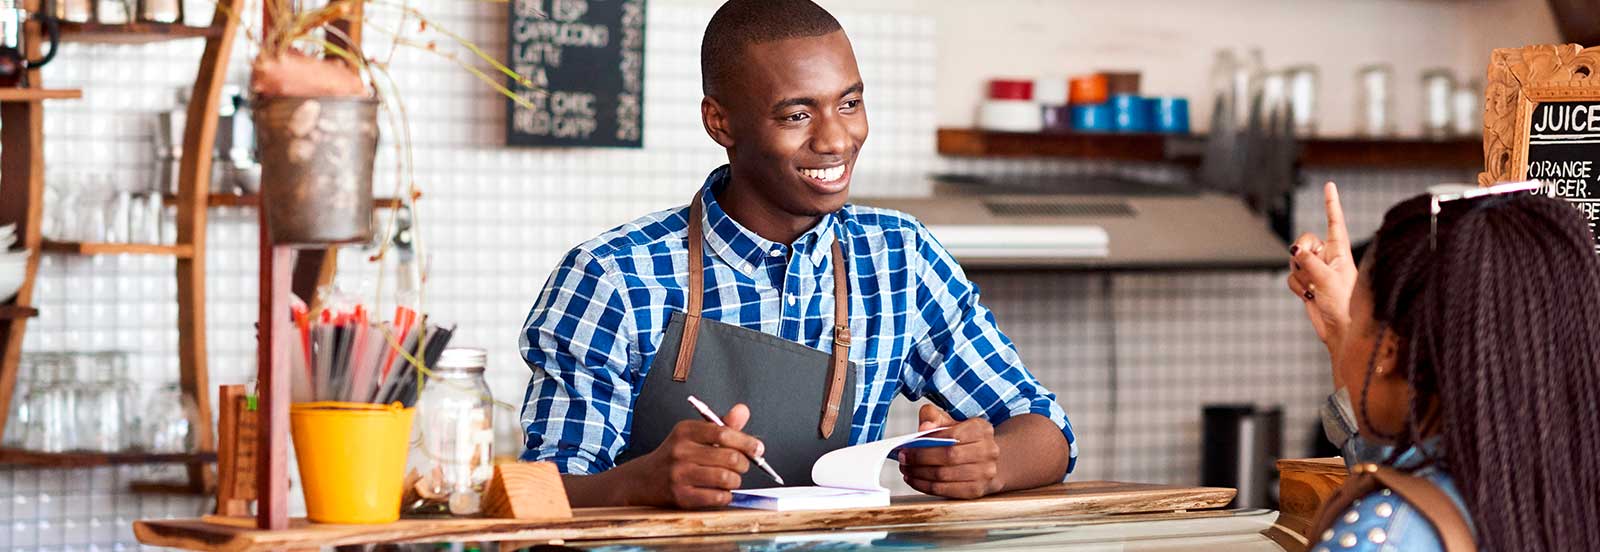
{"x":452,"y":456}
{"x":99,"y":403}
{"x":131,"y":426}
{"x":169,"y":419}
{"x":52,"y":405}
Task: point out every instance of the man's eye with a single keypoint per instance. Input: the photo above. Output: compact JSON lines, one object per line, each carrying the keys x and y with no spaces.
{"x":852,"y":104}
{"x":797,"y":117}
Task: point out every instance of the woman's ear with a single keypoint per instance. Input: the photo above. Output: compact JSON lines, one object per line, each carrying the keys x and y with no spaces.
{"x":1387,"y":357}
{"x":715,"y":118}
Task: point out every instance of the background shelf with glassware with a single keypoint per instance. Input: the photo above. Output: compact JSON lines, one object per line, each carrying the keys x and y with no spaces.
{"x":84,"y":409}
{"x":23,"y":200}
{"x":1320,"y":151}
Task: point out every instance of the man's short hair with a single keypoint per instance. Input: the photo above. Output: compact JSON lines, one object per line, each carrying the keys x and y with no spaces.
{"x":739,"y":23}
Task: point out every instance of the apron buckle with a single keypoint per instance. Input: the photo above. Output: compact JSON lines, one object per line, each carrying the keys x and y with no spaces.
{"x":841,"y":336}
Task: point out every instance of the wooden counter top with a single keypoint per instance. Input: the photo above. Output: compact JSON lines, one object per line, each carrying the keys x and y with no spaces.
{"x":592,"y":524}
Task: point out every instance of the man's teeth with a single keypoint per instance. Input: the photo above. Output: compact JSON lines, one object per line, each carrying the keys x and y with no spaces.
{"x":825,"y":175}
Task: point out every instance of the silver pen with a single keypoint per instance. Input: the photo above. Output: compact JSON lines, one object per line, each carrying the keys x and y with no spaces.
{"x":705,"y":412}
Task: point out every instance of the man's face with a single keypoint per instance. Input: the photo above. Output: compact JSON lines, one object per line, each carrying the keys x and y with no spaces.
{"x":797,"y":121}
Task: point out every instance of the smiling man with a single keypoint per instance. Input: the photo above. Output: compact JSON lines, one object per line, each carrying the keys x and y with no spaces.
{"x":770,"y":298}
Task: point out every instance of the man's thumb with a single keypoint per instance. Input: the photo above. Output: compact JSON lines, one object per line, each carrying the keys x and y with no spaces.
{"x":932,"y":416}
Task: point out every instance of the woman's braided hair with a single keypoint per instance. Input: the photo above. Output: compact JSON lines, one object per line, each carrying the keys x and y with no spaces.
{"x":1499,"y":320}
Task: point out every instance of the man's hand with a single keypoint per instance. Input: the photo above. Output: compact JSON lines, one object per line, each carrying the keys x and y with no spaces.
{"x":697,"y":465}
{"x":1322,"y":274}
{"x":967,"y":469}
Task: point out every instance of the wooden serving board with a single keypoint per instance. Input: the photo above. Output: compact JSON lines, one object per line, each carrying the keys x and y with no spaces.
{"x":593,"y":524}
{"x":1304,"y":484}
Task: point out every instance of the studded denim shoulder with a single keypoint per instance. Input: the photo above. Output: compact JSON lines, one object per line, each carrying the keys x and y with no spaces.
{"x":1383,"y":522}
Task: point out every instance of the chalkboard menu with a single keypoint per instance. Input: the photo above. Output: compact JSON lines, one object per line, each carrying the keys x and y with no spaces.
{"x":1564,"y":152}
{"x":585,"y":60}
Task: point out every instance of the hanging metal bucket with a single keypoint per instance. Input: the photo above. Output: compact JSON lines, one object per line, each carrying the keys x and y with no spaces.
{"x":317,"y":157}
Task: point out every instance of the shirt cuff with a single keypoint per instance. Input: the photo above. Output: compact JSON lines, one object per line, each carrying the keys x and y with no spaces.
{"x":568,"y":460}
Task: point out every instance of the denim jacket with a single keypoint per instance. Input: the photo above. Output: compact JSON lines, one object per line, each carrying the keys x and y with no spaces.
{"x":1381,"y":521}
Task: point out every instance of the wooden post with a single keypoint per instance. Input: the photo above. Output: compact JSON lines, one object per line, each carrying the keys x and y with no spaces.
{"x":194,"y":184}
{"x":272,"y":377}
{"x":21,"y":192}
{"x":21,"y":202}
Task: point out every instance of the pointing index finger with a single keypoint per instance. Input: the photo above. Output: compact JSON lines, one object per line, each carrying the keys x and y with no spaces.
{"x":1337,"y":231}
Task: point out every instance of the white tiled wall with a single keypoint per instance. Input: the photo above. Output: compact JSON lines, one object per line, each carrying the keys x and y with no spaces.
{"x":1150,"y":348}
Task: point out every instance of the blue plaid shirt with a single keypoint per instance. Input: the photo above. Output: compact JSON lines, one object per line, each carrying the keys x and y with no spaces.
{"x":916,"y":326}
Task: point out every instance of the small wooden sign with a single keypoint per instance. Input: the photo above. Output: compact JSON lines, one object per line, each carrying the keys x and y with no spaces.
{"x":526,"y":490}
{"x":1542,"y":120}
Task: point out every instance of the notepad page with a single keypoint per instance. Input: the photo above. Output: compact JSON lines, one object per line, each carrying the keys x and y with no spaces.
{"x":857,"y":467}
{"x":784,"y":499}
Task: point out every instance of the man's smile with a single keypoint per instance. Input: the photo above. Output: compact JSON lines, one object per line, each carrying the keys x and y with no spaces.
{"x":827,"y":179}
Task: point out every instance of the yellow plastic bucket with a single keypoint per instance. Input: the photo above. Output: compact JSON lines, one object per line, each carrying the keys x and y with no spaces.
{"x":352,"y":459}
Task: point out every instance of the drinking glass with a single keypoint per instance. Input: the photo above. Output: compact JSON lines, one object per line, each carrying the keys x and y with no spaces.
{"x":93,"y":206}
{"x":1375,"y":101}
{"x":170,"y":414}
{"x":17,"y":421}
{"x":99,"y":413}
{"x":66,"y":207}
{"x":127,"y":393}
{"x":1437,"y":86}
{"x":1466,"y":108}
{"x":51,"y":407}
{"x":1303,"y":99}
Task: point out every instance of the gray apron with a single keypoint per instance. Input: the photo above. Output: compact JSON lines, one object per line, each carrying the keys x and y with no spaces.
{"x":794,"y":392}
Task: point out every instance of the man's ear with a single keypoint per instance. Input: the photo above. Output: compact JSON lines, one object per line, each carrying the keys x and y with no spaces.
{"x":715,"y":118}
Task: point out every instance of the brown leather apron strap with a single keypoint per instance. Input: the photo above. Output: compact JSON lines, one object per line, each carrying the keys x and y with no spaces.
{"x":840,"y":361}
{"x":841,"y":340}
{"x":1424,"y":496}
{"x":697,"y":277}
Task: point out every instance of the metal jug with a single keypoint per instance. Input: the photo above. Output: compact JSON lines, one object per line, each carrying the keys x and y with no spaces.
{"x":14,"y":62}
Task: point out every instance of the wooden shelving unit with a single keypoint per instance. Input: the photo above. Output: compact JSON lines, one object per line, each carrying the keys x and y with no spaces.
{"x":1319,"y":152}
{"x":181,"y":251}
{"x":21,"y":197}
{"x":253,"y":200}
{"x":38,"y":94}
{"x":8,"y":312}
{"x":132,"y":33}
{"x":14,"y":457}
{"x":1099,"y":146}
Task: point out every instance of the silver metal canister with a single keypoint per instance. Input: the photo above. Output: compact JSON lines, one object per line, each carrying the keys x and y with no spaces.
{"x":316,"y":159}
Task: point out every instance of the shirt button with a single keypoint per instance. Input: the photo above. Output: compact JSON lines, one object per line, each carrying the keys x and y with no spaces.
{"x":791,"y":300}
{"x":744,"y":266}
{"x":775,"y":252}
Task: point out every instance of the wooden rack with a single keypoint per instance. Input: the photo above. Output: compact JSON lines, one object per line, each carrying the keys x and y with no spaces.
{"x":21,"y":195}
{"x":1462,"y":153}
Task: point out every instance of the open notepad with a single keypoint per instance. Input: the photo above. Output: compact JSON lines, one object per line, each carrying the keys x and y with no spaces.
{"x":845,"y":478}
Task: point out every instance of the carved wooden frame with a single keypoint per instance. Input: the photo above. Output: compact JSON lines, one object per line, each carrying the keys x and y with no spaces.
{"x":1519,"y":79}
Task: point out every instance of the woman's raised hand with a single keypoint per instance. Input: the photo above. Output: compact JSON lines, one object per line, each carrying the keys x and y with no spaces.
{"x":1322,"y":273}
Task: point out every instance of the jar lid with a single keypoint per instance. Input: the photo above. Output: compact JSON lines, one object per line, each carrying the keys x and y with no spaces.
{"x":462,"y":359}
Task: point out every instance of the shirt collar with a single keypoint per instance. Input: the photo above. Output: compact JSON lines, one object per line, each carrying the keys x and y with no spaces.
{"x":745,"y":250}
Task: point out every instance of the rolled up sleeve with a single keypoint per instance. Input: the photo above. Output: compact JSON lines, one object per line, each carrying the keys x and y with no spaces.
{"x":576,"y":342}
{"x":961,"y":360}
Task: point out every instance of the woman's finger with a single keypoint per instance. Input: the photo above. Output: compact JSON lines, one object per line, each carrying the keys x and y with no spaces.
{"x":1337,"y":231}
{"x":1314,"y":268}
{"x":1306,"y":242}
{"x":1298,"y":288}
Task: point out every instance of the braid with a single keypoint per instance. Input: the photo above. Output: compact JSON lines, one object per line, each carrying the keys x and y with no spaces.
{"x":1501,"y":331}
